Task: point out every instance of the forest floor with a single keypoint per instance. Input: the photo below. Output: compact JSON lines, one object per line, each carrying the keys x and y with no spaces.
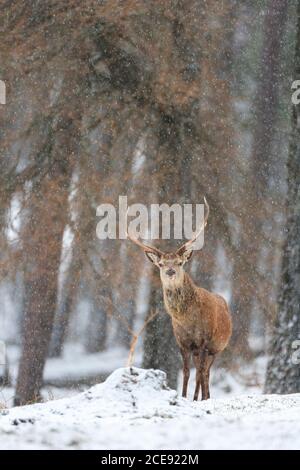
{"x":134,"y":409}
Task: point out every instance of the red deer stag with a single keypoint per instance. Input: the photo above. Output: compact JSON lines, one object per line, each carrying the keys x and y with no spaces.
{"x":201,"y":320}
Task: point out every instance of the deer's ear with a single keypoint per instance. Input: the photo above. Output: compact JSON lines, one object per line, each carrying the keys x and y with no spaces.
{"x":153,"y":257}
{"x":187,"y":255}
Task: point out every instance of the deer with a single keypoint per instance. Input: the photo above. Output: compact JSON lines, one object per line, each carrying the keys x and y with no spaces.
{"x":201,"y":320}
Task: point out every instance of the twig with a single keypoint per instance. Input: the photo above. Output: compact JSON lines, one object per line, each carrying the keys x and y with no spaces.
{"x":136,"y":337}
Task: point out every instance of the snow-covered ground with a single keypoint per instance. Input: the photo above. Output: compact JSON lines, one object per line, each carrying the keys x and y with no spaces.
{"x":75,"y":371}
{"x":134,"y":409}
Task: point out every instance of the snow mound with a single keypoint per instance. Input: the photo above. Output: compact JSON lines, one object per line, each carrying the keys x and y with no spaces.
{"x":135,"y":409}
{"x":142,"y":393}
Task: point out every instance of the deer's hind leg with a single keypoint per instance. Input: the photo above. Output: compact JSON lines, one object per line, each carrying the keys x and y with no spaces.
{"x":186,"y":357}
{"x":198,"y":363}
{"x":208,"y":360}
{"x":202,"y":361}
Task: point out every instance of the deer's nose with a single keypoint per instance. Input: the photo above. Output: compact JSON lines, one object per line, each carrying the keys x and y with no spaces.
{"x":170,"y":272}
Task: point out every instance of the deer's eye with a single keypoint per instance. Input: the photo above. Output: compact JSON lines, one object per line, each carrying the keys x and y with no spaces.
{"x":179,"y":263}
{"x":160,"y":265}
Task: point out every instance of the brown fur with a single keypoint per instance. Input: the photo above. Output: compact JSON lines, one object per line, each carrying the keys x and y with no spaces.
{"x":198,"y":316}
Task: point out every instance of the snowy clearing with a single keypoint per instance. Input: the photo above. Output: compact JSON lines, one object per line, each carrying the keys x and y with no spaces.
{"x":134,"y":409}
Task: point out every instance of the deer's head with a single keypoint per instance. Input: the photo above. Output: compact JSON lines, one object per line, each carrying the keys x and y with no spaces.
{"x":171,"y":265}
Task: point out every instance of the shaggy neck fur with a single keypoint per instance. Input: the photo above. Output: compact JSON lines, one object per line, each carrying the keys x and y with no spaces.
{"x":179,"y":296}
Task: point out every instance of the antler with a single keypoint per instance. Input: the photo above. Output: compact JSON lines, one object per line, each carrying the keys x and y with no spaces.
{"x":147,"y":248}
{"x":189,"y":243}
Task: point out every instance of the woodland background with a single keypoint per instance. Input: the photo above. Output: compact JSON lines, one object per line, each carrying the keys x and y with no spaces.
{"x":162,"y":101}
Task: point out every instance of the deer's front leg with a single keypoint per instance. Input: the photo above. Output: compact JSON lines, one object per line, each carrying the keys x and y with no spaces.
{"x":186,"y":356}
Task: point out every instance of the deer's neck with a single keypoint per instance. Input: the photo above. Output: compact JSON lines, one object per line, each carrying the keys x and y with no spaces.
{"x":178,"y":297}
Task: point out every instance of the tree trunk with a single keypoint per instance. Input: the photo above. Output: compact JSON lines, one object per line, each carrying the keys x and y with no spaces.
{"x":160,"y":348}
{"x":97,"y":330}
{"x":266,"y":105}
{"x":65,"y":308}
{"x":283,"y":372}
{"x":42,"y":244}
{"x":125,"y":299}
{"x":258,"y":206}
{"x":96,"y":334}
{"x":241,"y":309}
{"x":254,"y":205}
